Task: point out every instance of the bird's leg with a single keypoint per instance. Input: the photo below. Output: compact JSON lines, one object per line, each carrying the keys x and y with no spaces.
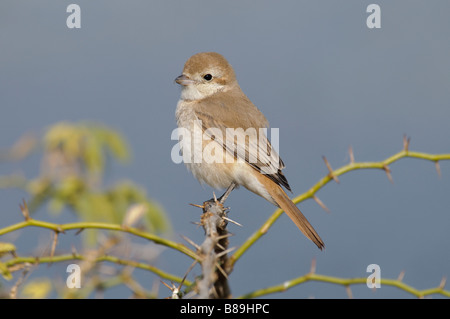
{"x":222,"y":198}
{"x":227,"y":193}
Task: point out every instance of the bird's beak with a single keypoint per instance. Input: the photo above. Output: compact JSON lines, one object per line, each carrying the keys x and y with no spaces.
{"x":184,"y":80}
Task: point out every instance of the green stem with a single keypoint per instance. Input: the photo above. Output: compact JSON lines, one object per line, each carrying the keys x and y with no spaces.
{"x":112,"y":259}
{"x":325,"y":180}
{"x":344,"y":282}
{"x":84,"y":225}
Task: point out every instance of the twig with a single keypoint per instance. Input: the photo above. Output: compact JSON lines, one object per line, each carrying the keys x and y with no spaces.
{"x":346,"y":282}
{"x":97,"y":225}
{"x":213,"y":252}
{"x":333,"y":174}
{"x":15,"y":263}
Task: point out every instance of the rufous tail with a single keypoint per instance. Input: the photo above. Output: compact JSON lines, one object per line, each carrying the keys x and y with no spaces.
{"x":286,"y":204}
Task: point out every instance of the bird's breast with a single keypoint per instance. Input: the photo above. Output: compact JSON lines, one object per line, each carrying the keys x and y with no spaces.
{"x":206,"y":161}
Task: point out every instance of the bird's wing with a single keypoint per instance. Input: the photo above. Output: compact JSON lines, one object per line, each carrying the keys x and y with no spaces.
{"x":237,"y":128}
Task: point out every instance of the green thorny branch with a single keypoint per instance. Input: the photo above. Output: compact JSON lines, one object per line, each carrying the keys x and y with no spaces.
{"x":17,"y":262}
{"x":333,"y":175}
{"x":14,"y":263}
{"x":347,"y":282}
{"x":311,"y":193}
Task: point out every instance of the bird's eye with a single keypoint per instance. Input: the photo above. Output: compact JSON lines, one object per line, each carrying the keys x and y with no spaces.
{"x":207,"y":77}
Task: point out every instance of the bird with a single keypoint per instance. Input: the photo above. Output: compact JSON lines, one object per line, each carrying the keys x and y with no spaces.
{"x":224,"y":143}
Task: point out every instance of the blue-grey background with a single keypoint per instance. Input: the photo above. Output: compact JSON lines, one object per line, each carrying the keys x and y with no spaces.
{"x":312,"y":67}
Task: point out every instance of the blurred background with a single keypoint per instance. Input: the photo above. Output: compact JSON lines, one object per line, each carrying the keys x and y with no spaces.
{"x":313,"y":68}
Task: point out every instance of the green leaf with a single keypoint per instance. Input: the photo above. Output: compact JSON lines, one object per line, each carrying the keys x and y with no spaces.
{"x":37,"y":289}
{"x":117,"y":145}
{"x":92,"y":155}
{"x":56,"y":205}
{"x":156,"y":217}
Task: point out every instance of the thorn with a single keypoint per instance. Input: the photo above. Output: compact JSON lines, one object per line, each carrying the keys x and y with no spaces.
{"x":185,"y":275}
{"x":388,"y":173}
{"x":438,"y":168}
{"x":55,"y":240}
{"x":74,"y":251}
{"x":227,"y":193}
{"x":312,"y":270}
{"x":321,"y":204}
{"x":224,"y":236}
{"x":401,"y":275}
{"x":225,"y":252}
{"x":190,"y":242}
{"x":198,"y":224}
{"x":221,"y":270}
{"x":170,"y":288}
{"x":79,"y":231}
{"x":24,"y":210}
{"x":443,"y":282}
{"x":220,"y":246}
{"x":199,"y":206}
{"x":231,"y":221}
{"x":215,"y":198}
{"x":406,"y":142}
{"x":330,"y":170}
{"x":350,"y":153}
{"x":349,"y":292}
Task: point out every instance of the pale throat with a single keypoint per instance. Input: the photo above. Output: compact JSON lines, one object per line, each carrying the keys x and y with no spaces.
{"x":196,"y":92}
